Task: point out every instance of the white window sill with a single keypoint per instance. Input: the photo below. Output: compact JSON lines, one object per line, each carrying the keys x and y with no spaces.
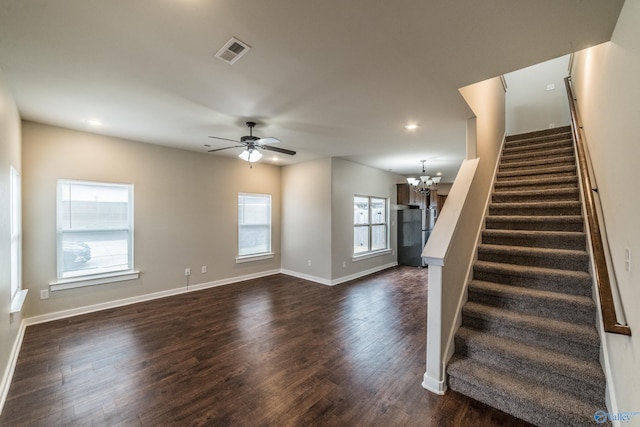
{"x":258,"y":257}
{"x":18,"y":301}
{"x":368,"y":255}
{"x":80,"y":282}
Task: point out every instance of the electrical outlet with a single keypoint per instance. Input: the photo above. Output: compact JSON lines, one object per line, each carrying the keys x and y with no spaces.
{"x":551,"y":86}
{"x":204,"y":268}
{"x":344,"y":264}
{"x":187,"y":272}
{"x":309,"y":263}
{"x":44,"y":293}
{"x":627,"y":261}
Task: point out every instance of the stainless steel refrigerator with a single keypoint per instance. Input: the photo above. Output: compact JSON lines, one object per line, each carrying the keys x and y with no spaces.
{"x":414,"y":229}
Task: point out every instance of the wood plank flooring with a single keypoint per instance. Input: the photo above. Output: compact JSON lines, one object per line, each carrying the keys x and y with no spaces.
{"x":276,"y":351}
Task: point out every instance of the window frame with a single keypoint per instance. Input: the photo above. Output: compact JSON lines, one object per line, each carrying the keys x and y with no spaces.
{"x":255,"y":256}
{"x":93,"y":278}
{"x":369,"y":225}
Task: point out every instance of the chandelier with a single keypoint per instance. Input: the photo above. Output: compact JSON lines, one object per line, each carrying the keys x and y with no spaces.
{"x":423,"y":185}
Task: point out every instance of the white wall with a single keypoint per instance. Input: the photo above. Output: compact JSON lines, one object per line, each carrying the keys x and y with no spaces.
{"x":10,"y":155}
{"x":607,"y":88}
{"x":185,"y":212}
{"x":306,"y":216}
{"x":530,"y":106}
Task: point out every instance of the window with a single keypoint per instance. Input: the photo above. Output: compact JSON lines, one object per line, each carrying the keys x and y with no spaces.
{"x":254,"y":224}
{"x":370,"y":227}
{"x":16,"y":232}
{"x":95,"y":228}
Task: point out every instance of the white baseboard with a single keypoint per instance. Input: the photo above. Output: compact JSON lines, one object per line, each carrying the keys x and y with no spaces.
{"x":232,"y":280}
{"x":11,"y":365}
{"x":434,"y":385}
{"x":308,"y":277}
{"x":141,"y":298}
{"x":339,"y":280}
{"x":362,"y":273}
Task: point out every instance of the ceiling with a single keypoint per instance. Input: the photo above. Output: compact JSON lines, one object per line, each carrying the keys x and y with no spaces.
{"x":327,"y":78}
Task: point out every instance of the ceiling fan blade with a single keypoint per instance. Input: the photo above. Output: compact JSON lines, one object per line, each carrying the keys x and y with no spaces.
{"x":225,"y":148}
{"x":277,"y":150}
{"x":267,"y":140}
{"x":224,"y":139}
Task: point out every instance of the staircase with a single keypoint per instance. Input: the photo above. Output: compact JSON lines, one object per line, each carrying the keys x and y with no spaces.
{"x":528,"y":344}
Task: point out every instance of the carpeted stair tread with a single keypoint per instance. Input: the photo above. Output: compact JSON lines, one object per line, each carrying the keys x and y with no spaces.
{"x":547,"y":279}
{"x":563,"y":193}
{"x":568,"y":259}
{"x":541,"y":239}
{"x":524,"y":399}
{"x":538,"y":141}
{"x":513,"y":174}
{"x":548,"y":152}
{"x":562,"y":132}
{"x":537,"y":162}
{"x":569,"y":338}
{"x":557,"y":370}
{"x":536,"y":222}
{"x":537,"y":182}
{"x":552,"y":207}
{"x":525,"y":146}
{"x":577,"y":309}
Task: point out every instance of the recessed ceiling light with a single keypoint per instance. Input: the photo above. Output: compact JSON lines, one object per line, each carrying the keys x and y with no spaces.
{"x":94,"y":122}
{"x":411,"y":126}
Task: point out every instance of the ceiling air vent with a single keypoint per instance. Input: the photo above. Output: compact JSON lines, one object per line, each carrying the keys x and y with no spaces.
{"x":232,"y":50}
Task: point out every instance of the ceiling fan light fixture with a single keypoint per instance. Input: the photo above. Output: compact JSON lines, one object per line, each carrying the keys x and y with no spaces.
{"x":251,"y":155}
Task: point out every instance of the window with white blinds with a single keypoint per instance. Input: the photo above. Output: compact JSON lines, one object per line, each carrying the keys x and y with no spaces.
{"x":95,"y":228}
{"x":254,"y":224}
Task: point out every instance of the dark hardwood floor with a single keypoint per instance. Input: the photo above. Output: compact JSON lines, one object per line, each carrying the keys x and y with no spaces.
{"x":277,"y":351}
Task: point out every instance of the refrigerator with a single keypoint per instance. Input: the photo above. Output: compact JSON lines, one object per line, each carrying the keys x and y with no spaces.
{"x":414,"y":228}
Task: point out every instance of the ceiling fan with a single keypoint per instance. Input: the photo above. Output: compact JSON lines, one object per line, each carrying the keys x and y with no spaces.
{"x":251,"y":143}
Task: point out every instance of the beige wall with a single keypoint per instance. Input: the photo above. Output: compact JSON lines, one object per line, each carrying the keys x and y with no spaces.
{"x":9,"y":156}
{"x":451,"y":248}
{"x":306,"y":211}
{"x":350,"y":179}
{"x":608,"y":90}
{"x":318,"y":218}
{"x":185,"y":212}
{"x":487,"y":101}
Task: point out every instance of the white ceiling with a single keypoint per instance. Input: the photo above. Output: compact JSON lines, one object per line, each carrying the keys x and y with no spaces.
{"x":327,"y":78}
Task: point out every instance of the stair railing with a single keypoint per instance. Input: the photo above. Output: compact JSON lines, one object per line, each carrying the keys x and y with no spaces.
{"x":600,"y":270}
